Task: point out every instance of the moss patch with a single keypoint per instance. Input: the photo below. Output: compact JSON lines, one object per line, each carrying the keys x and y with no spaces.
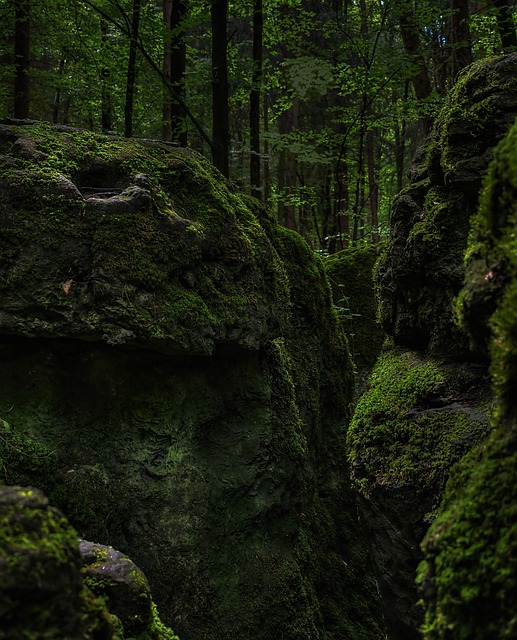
{"x":412,"y":424}
{"x":351,"y":277}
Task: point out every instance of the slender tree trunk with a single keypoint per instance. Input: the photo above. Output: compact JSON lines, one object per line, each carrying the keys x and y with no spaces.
{"x":461,"y":39}
{"x":178,"y":51}
{"x":22,"y":52}
{"x":256,"y":82}
{"x":287,"y":170}
{"x":220,"y":119}
{"x":400,"y":142}
{"x":411,"y":42}
{"x":166,"y":69}
{"x":505,"y":25}
{"x":373,"y":195}
{"x":131,"y":70}
{"x":267,"y":181}
{"x":106,"y":98}
{"x":57,"y":95}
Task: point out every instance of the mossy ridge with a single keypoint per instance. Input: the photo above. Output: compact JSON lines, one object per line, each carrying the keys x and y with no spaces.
{"x":351,"y":276}
{"x":473,"y":99}
{"x":486,"y":306}
{"x":397,"y":436}
{"x":25,"y":460}
{"x":189,"y":242}
{"x":468,"y":579}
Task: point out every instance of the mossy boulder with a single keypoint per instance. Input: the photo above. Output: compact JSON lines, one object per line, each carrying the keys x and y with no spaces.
{"x":351,"y":277}
{"x":422,"y":269}
{"x":419,"y":416}
{"x":42,"y":591}
{"x":469,"y":577}
{"x":176,"y":355}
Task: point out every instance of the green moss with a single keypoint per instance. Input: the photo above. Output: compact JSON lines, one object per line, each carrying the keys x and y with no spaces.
{"x":25,"y":460}
{"x":468,"y":580}
{"x":404,"y":431}
{"x":469,"y":577}
{"x":351,"y":276}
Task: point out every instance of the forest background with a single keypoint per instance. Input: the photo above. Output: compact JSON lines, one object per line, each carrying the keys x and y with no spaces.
{"x":314,"y":107}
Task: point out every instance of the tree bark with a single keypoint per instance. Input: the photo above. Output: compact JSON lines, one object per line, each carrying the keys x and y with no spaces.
{"x":131,"y":70}
{"x":178,"y":51}
{"x":22,"y":59}
{"x":461,"y":39}
{"x":256,"y":82}
{"x":106,"y":99}
{"x":411,"y":42}
{"x":166,"y":69}
{"x":220,"y":119}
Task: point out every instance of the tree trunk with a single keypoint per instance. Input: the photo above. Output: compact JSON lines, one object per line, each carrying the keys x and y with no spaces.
{"x":267,"y":181}
{"x":57,"y":95}
{"x":166,"y":69}
{"x":287,"y":122}
{"x":256,"y":82}
{"x":505,"y":25}
{"x":131,"y":70}
{"x":106,"y":99}
{"x":22,"y":52}
{"x":178,"y":52}
{"x":220,"y":123}
{"x":461,"y":39}
{"x":373,"y":195}
{"x":411,"y":42}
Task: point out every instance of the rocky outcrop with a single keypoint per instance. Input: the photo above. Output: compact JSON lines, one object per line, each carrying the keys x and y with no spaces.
{"x":351,"y":277}
{"x":43,"y":589}
{"x":469,"y":577}
{"x":422,"y":270}
{"x":175,"y":377}
{"x":418,"y":431}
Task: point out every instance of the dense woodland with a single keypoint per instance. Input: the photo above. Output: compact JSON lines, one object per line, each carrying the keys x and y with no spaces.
{"x":314,"y":107}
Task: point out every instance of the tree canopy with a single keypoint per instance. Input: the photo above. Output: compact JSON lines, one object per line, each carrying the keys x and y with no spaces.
{"x":314,"y":107}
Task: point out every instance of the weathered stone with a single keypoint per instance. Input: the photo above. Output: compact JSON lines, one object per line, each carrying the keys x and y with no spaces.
{"x":351,"y":277}
{"x":108,"y":572}
{"x":422,"y":269}
{"x":426,"y":408}
{"x":177,"y":354}
{"x":469,"y":577}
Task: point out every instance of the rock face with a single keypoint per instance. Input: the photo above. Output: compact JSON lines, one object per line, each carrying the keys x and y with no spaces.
{"x":351,"y":277}
{"x":469,"y":578}
{"x":42,"y":590}
{"x":176,"y":379}
{"x":422,"y":270}
{"x":429,"y":400}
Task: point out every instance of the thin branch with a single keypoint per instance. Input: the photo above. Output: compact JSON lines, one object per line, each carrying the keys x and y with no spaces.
{"x":156,"y":68}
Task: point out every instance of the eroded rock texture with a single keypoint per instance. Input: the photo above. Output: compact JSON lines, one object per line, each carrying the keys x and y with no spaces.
{"x":422,"y":270}
{"x":45,"y":580}
{"x":469,"y":578}
{"x":176,"y":379}
{"x":429,"y":402}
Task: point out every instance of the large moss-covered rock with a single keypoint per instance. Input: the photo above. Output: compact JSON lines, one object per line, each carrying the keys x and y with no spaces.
{"x":427,"y":403}
{"x":419,"y":416}
{"x":469,"y":578}
{"x":351,"y":276}
{"x":422,"y":270}
{"x":173,"y":366}
{"x":43,"y":593}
